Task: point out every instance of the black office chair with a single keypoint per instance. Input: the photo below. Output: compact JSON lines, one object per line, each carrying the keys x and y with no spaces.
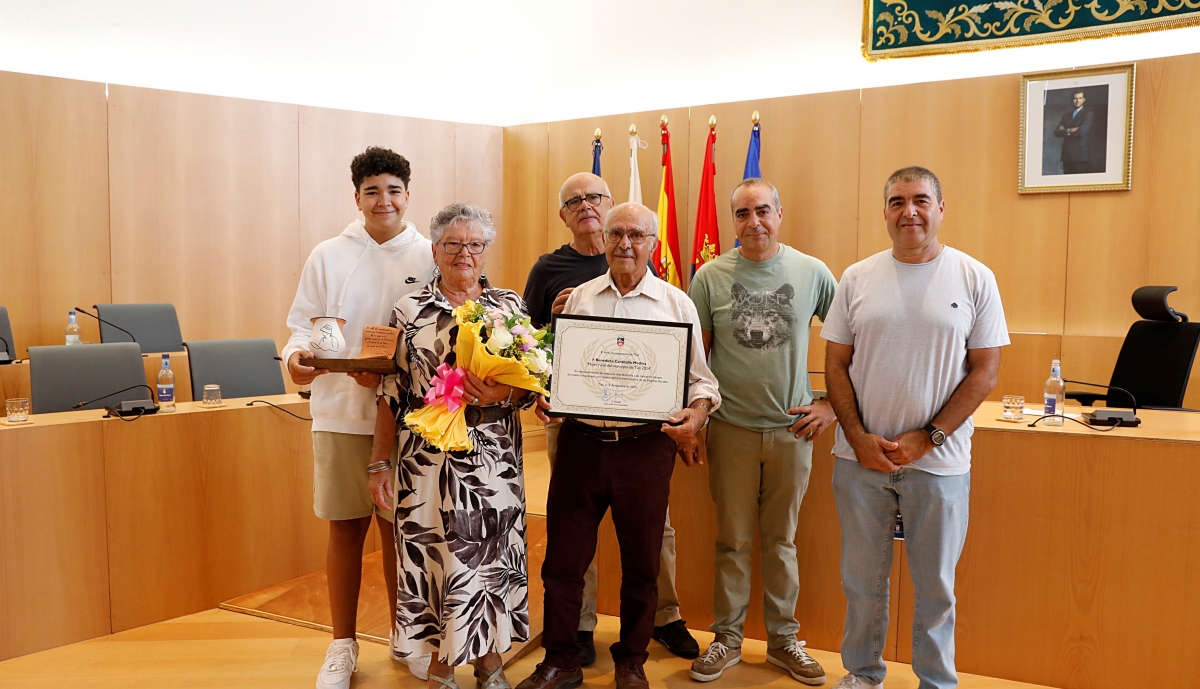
{"x":243,"y":368}
{"x":8,"y":348}
{"x":1156,"y":358}
{"x":61,"y":376}
{"x":155,"y":327}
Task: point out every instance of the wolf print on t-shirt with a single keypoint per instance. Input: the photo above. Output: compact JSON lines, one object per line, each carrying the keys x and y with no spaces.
{"x":762,"y":320}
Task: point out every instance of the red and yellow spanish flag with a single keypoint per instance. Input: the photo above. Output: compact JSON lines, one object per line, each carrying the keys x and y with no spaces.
{"x":666,"y":254}
{"x":707,"y":244}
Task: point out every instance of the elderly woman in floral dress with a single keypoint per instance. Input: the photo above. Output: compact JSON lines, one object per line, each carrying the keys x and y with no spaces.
{"x":460,"y":516}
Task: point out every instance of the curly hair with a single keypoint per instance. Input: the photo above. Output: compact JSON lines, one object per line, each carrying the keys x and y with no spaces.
{"x":379,"y":161}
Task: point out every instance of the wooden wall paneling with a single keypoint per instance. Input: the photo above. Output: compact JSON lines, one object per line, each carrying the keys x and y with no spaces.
{"x":1097,"y":519}
{"x":53,"y":550}
{"x":809,"y":152}
{"x":1025,"y":366}
{"x":205,"y":209}
{"x":329,"y":140}
{"x":1122,"y":240}
{"x":479,"y":179}
{"x":570,"y":151}
{"x":524,"y":202}
{"x":205,"y":505}
{"x":14,"y":380}
{"x":967,"y":132}
{"x":53,"y":204}
{"x":155,"y":475}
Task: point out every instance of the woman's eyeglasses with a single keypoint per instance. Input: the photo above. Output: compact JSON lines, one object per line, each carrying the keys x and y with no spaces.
{"x":455,"y":248}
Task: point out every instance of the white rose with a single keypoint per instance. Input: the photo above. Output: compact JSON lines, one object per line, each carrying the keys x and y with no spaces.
{"x":535,"y":361}
{"x":499,"y":340}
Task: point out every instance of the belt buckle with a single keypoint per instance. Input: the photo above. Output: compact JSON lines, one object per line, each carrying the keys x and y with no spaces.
{"x":616,"y":435}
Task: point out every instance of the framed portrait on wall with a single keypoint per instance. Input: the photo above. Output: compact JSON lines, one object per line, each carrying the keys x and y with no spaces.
{"x":1077,"y":130}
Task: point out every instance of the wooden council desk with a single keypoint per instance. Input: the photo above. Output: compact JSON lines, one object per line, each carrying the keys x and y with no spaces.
{"x":107,"y":525}
{"x":1081,"y":567}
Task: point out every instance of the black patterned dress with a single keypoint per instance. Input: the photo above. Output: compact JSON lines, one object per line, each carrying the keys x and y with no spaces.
{"x":462,"y":588}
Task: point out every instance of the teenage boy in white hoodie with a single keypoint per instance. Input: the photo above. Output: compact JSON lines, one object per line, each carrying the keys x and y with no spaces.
{"x":357,"y":276}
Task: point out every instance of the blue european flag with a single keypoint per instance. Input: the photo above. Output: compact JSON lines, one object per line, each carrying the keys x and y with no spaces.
{"x":597,"y":147}
{"x":753,"y":153}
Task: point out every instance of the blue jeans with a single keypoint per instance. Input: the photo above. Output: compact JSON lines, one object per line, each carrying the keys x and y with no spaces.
{"x":935,"y":526}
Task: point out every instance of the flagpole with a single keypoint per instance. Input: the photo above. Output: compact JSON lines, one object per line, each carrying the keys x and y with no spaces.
{"x":597,"y":148}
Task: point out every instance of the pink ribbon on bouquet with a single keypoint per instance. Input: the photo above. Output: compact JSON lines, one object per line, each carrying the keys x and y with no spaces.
{"x":446,"y":387}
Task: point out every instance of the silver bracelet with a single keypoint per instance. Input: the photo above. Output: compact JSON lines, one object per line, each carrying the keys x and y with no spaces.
{"x":380,"y":466}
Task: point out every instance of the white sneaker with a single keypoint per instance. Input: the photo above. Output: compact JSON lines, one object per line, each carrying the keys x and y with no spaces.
{"x":341,"y":660}
{"x":855,"y":682}
{"x":418,"y":666}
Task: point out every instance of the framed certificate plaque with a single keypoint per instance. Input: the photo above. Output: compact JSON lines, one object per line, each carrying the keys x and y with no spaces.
{"x":618,"y":369}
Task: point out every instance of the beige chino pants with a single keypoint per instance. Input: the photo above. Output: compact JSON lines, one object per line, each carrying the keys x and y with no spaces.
{"x":668,"y":599}
{"x":757,"y":479}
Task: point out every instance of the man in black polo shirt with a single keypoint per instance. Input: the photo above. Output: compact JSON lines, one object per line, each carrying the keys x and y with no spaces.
{"x":584,"y":200}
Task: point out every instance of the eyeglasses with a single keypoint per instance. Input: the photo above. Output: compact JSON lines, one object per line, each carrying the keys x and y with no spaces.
{"x":636,"y":237}
{"x":455,"y":248}
{"x":593,"y":200}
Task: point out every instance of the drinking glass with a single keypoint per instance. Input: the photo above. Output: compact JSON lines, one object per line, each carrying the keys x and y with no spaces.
{"x":212,"y":396}
{"x":17,"y":410}
{"x":1014,"y":407}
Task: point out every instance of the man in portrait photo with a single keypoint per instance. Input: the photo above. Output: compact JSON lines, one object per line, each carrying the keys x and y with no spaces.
{"x":1074,"y":128}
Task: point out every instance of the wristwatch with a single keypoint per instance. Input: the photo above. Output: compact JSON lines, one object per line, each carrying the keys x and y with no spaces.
{"x":936,"y":435}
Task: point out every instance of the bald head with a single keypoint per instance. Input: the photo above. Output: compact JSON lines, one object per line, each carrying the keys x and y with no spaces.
{"x":630,"y":233}
{"x":583,"y":201}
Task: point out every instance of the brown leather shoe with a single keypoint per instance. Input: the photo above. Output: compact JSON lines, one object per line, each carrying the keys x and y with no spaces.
{"x":550,"y":677}
{"x":630,"y":676}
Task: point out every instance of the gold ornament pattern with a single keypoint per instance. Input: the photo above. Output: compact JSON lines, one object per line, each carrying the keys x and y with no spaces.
{"x":921,"y":27}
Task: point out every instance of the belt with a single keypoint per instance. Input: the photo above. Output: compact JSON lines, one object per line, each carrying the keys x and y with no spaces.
{"x":477,"y":416}
{"x":613,"y":435}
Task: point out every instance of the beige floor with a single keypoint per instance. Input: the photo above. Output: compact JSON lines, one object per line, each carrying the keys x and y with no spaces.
{"x":224,"y":649}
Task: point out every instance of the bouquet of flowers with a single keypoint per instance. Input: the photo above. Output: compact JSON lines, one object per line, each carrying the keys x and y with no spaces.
{"x":492,"y":343}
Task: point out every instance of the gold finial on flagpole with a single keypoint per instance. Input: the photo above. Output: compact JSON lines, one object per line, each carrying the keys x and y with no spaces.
{"x":633,"y":130}
{"x":663,"y":120}
{"x":754,"y":117}
{"x":712,"y":122}
{"x":597,"y":134}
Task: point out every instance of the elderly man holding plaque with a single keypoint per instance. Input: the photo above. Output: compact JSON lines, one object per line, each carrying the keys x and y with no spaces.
{"x":755,"y":305}
{"x":584,"y":200}
{"x":617,"y":448}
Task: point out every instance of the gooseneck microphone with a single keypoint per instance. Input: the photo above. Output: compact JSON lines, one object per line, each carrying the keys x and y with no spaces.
{"x":6,"y":355}
{"x":1109,"y":416}
{"x":92,"y":315}
{"x":128,"y":407}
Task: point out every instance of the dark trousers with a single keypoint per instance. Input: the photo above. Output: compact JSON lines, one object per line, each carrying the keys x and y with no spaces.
{"x":633,"y":478}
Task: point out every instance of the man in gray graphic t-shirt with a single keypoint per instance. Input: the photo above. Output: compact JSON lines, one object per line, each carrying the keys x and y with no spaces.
{"x":756,"y":304}
{"x":914,"y":336}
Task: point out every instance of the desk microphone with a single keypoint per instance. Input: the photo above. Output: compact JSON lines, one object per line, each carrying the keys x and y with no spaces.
{"x":1109,"y":416}
{"x":6,"y":355}
{"x":128,"y":407}
{"x":108,"y":323}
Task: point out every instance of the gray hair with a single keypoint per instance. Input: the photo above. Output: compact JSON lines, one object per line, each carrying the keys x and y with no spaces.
{"x":562,"y":191}
{"x":634,"y":204}
{"x":462,"y":212}
{"x":913,"y":173}
{"x":757,"y":182}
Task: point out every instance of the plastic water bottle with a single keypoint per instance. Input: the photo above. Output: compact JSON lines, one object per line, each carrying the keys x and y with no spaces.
{"x":72,"y":329}
{"x":1055,"y":395}
{"x":166,"y":387}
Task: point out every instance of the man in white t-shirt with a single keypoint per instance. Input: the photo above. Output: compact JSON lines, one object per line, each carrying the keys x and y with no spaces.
{"x":914,"y":336}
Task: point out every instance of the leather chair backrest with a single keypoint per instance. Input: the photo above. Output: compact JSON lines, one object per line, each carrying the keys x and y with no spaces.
{"x":61,"y":376}
{"x":155,"y":327}
{"x":243,"y":368}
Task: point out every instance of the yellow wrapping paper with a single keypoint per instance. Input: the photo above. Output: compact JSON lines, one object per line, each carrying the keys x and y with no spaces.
{"x":447,"y":430}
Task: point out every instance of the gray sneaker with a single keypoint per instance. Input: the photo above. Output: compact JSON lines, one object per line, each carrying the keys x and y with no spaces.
{"x":855,"y":682}
{"x":798,"y":663}
{"x":713,"y":662}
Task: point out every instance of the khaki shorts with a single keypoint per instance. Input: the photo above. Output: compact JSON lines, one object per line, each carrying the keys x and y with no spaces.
{"x":340,"y":476}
